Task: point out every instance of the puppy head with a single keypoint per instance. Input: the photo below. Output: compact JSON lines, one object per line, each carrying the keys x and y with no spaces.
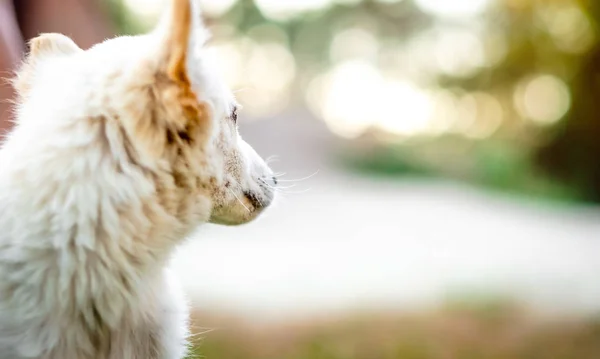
{"x":202,"y":119}
{"x":158,"y":104}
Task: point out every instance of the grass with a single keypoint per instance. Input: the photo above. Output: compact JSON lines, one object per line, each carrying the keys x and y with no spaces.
{"x":454,"y":332}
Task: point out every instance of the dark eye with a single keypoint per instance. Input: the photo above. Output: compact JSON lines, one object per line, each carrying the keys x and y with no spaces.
{"x":234,"y":115}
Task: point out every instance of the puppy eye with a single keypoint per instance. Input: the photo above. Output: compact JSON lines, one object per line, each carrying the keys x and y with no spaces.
{"x":233,"y":115}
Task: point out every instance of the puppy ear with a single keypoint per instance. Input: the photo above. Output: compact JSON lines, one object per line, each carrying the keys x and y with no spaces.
{"x":52,"y":44}
{"x":41,"y":47}
{"x":180,"y":33}
{"x":180,"y":30}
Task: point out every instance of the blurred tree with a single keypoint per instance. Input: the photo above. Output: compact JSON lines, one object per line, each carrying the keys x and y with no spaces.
{"x":569,"y":150}
{"x":540,"y":37}
{"x":573,"y":152}
{"x":311,"y":34}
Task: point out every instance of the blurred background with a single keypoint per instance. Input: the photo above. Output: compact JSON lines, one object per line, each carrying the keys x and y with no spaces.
{"x":442,"y":176}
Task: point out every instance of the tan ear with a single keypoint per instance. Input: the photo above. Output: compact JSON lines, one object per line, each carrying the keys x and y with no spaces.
{"x":178,"y":28}
{"x":180,"y":31}
{"x":52,"y":44}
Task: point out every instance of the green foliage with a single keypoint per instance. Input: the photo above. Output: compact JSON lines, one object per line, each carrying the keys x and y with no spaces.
{"x":494,"y":165}
{"x":123,"y":20}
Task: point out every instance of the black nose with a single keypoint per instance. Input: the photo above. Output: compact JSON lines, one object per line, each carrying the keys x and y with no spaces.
{"x":253,"y":199}
{"x":274,"y":180}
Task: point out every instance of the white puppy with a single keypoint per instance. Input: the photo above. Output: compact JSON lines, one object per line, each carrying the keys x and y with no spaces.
{"x":117,"y":154}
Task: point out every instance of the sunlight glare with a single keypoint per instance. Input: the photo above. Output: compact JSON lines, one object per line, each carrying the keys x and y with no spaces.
{"x":404,"y":110}
{"x":355,"y":96}
{"x":453,"y":8}
{"x":351,"y":98}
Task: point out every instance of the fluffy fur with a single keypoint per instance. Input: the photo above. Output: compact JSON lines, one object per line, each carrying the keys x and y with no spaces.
{"x":117,"y":154}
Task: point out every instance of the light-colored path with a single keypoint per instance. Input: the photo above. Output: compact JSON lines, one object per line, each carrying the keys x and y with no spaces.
{"x":354,"y":241}
{"x":350,"y":242}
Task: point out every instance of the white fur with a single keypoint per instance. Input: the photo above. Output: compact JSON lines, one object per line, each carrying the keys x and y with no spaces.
{"x":73,"y":269}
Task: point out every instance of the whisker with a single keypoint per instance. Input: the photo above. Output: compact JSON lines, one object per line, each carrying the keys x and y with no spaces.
{"x":300,"y":191}
{"x":299,"y":179}
{"x":243,"y":89}
{"x":284,"y":187}
{"x":297,"y":192}
{"x":275,"y":187}
{"x":239,"y":200}
{"x":198,"y":335}
{"x":271,"y":159}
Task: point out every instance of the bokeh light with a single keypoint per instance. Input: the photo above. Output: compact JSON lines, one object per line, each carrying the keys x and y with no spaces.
{"x":260,"y":74}
{"x":354,"y":43}
{"x":217,"y":7}
{"x":148,"y":10}
{"x":404,"y":110}
{"x":350,"y":98}
{"x":284,"y":10}
{"x":569,"y":27}
{"x":459,"y":52}
{"x":453,"y":8}
{"x":543,"y":99}
{"x":355,"y":97}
